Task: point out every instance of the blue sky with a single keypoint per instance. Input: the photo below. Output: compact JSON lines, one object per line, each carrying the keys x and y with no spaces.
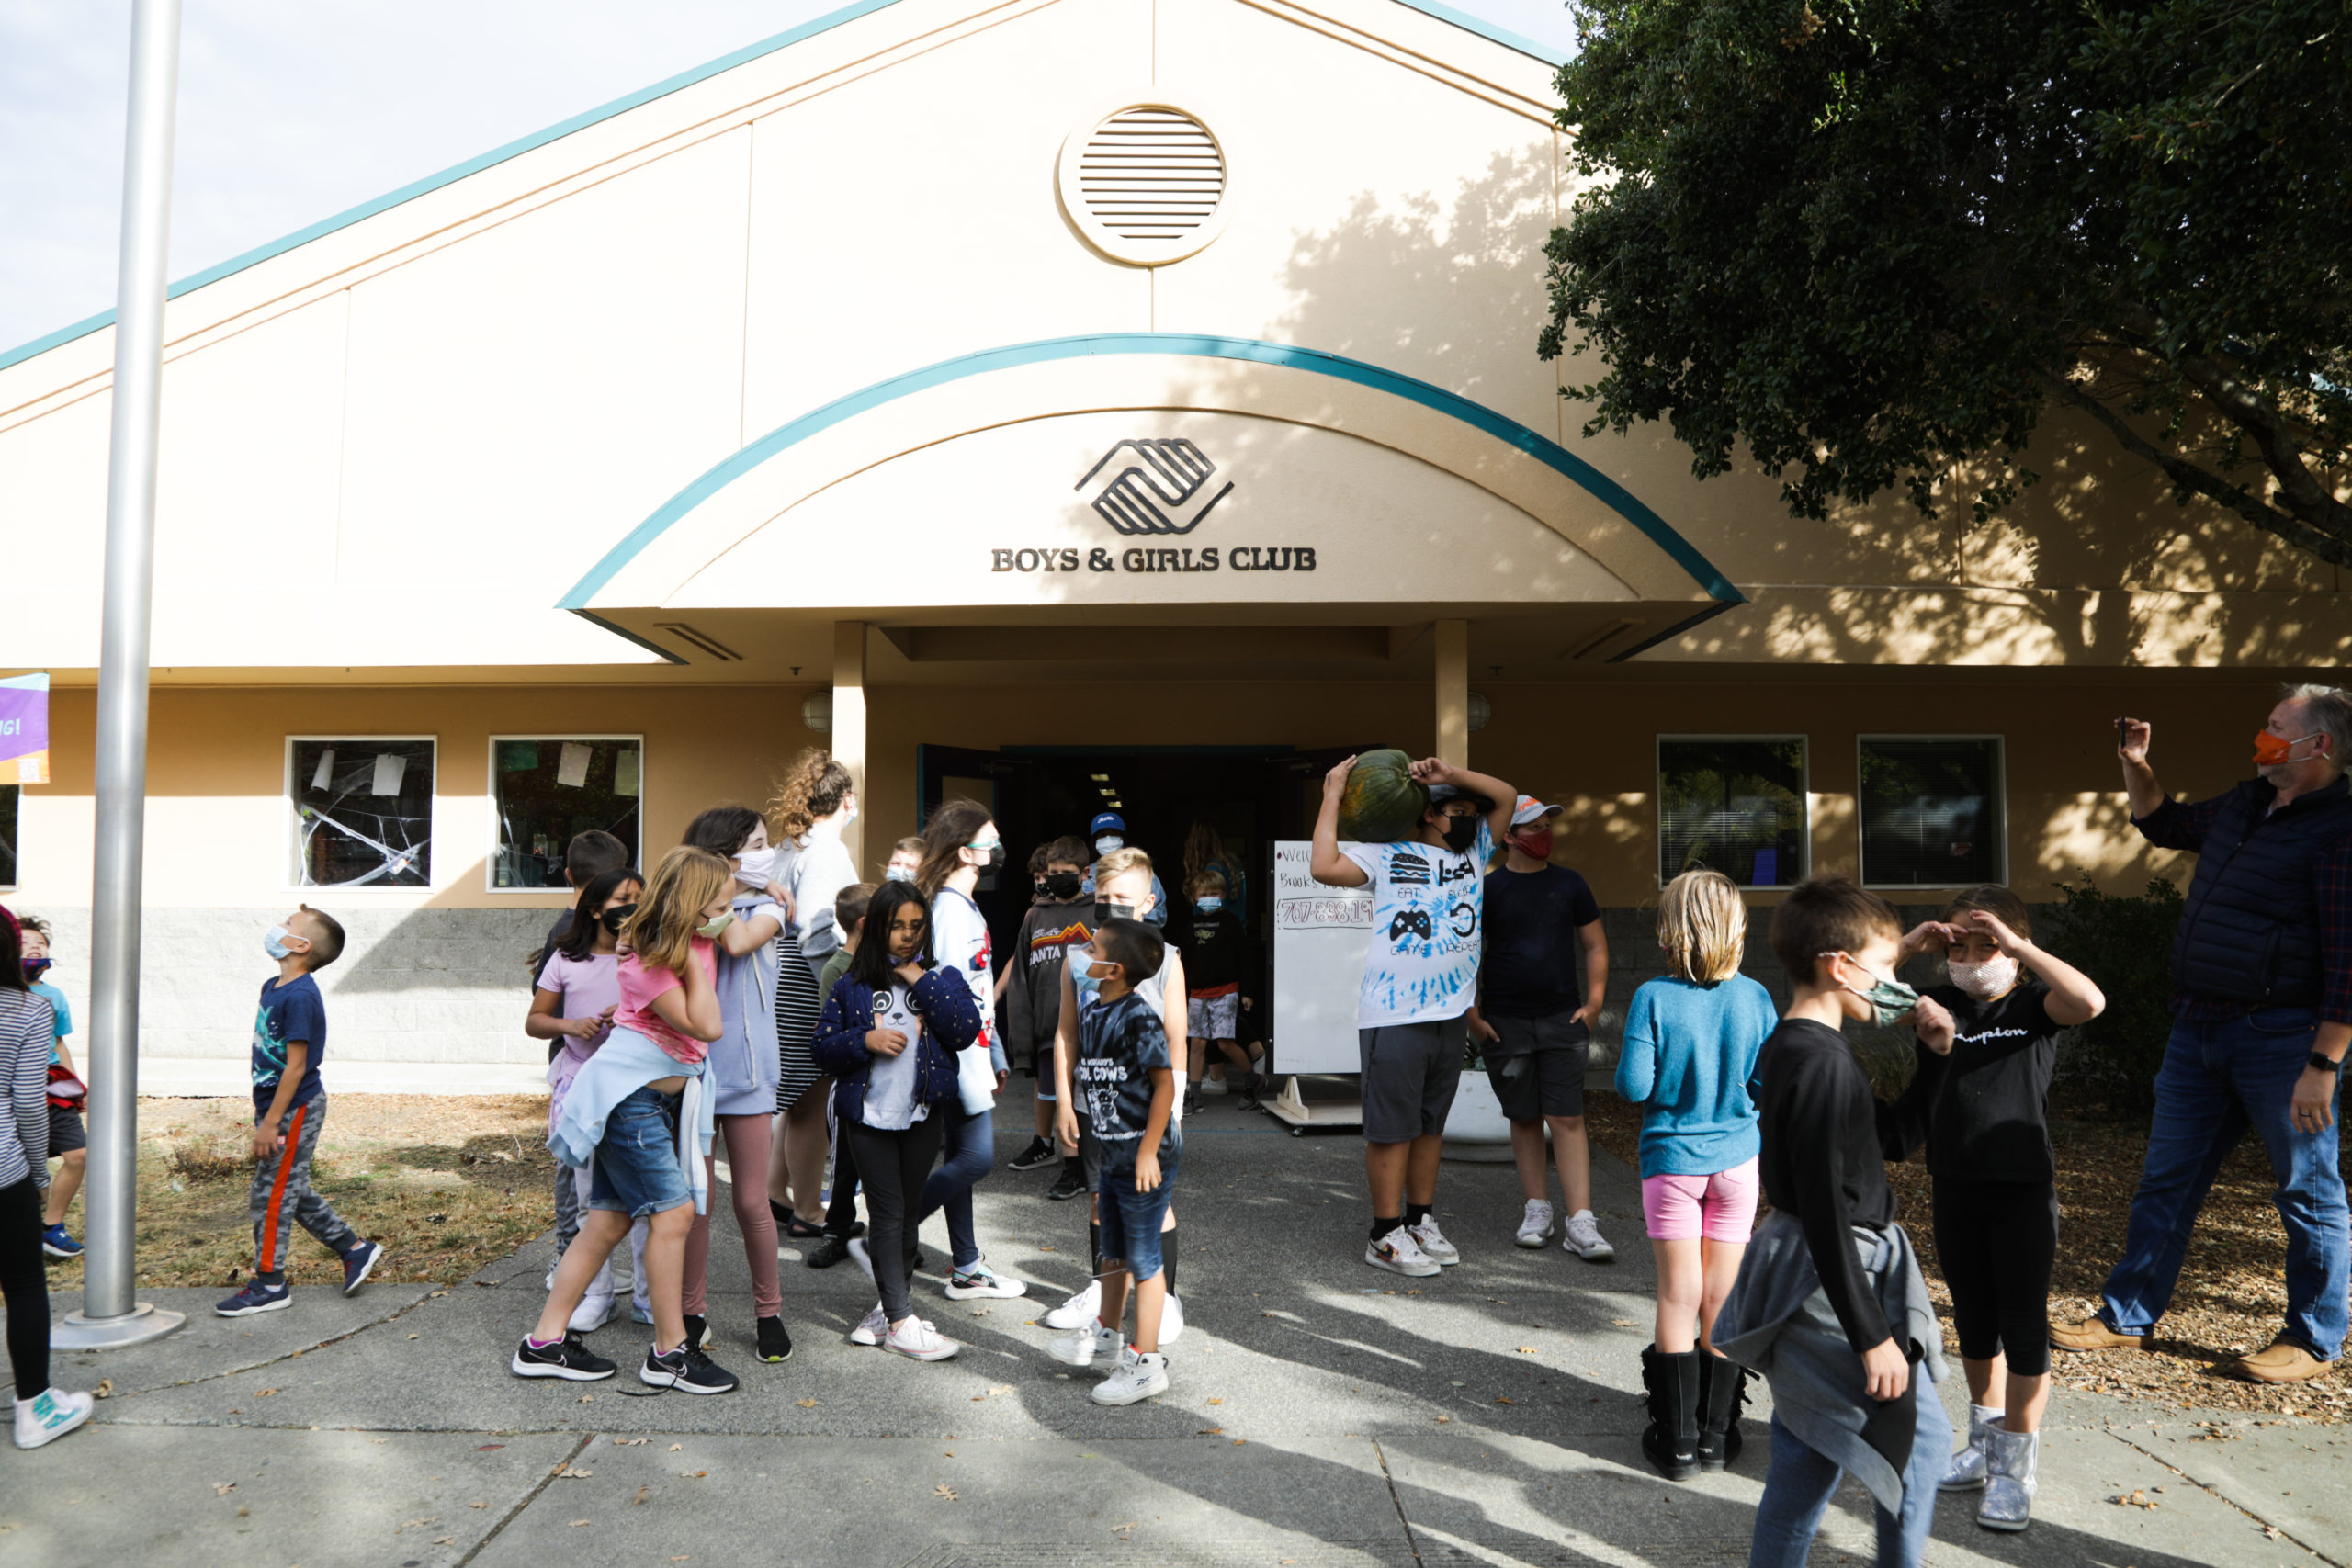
{"x":293,"y":109}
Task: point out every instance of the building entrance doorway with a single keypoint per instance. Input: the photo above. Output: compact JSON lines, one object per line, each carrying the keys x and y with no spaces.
{"x":1251,"y":796}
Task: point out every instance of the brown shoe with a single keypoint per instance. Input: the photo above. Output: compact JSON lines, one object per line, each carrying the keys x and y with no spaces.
{"x":2285,"y":1361}
{"x":2093,"y":1334}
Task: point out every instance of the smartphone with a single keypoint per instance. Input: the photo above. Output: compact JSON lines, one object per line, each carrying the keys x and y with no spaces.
{"x":2122,"y":736}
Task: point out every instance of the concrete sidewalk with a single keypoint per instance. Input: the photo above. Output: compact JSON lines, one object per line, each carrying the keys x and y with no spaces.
{"x":1321,"y":1414}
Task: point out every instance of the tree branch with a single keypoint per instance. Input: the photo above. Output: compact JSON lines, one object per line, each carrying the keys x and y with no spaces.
{"x":2259,"y":417}
{"x":2293,"y":529}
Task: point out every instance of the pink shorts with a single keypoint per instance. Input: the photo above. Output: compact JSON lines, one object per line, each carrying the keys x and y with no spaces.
{"x":1721,"y":1207}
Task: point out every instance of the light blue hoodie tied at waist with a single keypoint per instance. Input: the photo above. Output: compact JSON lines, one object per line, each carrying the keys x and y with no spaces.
{"x":625,"y":1063}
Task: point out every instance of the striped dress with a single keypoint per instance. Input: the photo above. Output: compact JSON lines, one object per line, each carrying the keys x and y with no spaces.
{"x":27,"y":1030}
{"x":796,"y":1008}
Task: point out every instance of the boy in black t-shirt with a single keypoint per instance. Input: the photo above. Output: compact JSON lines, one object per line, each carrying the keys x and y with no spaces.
{"x":1537,"y":999}
{"x":1209,"y":932}
{"x":1829,"y":1303}
{"x":1124,"y":1082}
{"x":289,"y":1106}
{"x":1982,"y":1112}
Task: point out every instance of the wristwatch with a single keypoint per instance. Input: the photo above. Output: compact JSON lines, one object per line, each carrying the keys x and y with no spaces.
{"x":2327,"y":1063}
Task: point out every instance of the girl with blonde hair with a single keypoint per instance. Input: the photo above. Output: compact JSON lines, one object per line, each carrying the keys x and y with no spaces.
{"x":637,"y":1116}
{"x":1691,"y":1040}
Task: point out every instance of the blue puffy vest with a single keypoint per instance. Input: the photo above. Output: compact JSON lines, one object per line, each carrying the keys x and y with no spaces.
{"x":2250,"y":933}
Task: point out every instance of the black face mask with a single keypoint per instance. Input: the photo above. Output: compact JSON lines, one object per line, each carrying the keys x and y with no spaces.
{"x":1461,"y":832}
{"x":1106,"y":910}
{"x":1064,"y":885}
{"x":618,"y":917}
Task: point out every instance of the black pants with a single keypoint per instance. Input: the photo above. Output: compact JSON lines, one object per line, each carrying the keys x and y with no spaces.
{"x":24,"y":1282}
{"x":841,"y":1214}
{"x":894,"y":1167}
{"x":1998,"y":1241}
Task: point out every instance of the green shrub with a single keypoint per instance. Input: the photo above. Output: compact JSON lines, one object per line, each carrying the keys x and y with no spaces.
{"x":2124,"y":945}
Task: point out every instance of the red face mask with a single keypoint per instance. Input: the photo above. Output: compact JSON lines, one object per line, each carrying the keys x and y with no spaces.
{"x":2270,"y":750}
{"x":1536,"y":844}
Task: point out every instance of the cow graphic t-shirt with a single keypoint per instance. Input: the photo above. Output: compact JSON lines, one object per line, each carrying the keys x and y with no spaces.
{"x":1422,"y":961}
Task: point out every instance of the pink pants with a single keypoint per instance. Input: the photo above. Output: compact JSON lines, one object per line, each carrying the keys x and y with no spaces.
{"x":747,"y":1155}
{"x":1721,"y":1207}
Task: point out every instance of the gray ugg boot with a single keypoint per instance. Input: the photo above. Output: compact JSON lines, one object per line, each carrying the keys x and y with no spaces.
{"x":2010,"y":1460}
{"x":1967,"y":1470}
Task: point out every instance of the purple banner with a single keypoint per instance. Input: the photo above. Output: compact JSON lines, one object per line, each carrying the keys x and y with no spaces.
{"x":24,"y":716}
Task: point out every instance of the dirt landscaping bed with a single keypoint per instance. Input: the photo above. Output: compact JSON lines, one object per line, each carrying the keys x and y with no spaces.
{"x":2232,"y":1287}
{"x":448,"y":1184}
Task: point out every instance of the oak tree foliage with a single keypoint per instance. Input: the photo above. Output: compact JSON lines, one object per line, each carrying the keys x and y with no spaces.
{"x":1875,"y":239}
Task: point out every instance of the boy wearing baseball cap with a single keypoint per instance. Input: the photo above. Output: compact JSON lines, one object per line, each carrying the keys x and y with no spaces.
{"x":1536,"y":1004}
{"x":1108,"y":831}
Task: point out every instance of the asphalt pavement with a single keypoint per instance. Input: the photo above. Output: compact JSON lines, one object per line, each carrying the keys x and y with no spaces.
{"x":1320,"y":1413}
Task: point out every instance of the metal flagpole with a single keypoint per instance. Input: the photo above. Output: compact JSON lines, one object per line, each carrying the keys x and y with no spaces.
{"x":110,"y":1314}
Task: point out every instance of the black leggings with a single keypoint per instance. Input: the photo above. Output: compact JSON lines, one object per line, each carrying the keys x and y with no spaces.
{"x":24,"y":1282}
{"x":1998,"y":1241}
{"x":893,"y":1167}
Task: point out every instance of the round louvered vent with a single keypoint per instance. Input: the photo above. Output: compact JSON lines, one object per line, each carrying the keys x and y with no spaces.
{"x":1145,"y":184}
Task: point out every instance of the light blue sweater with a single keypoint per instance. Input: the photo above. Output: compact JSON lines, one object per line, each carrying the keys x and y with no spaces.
{"x":1689,"y":1053}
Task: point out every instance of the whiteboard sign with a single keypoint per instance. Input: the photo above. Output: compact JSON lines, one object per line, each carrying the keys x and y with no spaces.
{"x":1320,"y":934}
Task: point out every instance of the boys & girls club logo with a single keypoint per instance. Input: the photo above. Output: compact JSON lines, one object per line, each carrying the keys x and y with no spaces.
{"x":1156,"y":486}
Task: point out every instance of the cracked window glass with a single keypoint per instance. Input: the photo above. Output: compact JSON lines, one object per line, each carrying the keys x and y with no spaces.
{"x":547,"y":790}
{"x":363,"y":813}
{"x":1931,"y":812}
{"x":1734,"y":805}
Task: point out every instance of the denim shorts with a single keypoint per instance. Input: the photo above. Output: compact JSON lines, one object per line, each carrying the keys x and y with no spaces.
{"x":636,"y":1172}
{"x":1131,"y":1220}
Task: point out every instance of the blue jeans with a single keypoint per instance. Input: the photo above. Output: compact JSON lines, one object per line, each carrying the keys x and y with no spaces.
{"x":2219,"y":1078}
{"x":1798,"y":1486}
{"x":1130,"y":1220}
{"x":970,"y":1146}
{"x":636,"y":1172}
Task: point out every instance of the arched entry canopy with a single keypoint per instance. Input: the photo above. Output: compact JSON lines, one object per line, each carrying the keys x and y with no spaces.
{"x":1318,"y":507}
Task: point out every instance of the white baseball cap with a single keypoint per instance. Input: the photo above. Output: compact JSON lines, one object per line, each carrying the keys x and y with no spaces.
{"x":1530,"y":810}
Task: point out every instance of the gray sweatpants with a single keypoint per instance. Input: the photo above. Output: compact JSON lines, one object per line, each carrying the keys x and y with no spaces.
{"x":282,"y":1193}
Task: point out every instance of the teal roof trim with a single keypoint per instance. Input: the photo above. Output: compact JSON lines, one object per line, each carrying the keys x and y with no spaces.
{"x":1252,"y":350}
{"x":663,"y":88}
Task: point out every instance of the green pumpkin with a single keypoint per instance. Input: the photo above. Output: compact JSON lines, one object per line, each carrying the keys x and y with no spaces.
{"x":1382,"y":802}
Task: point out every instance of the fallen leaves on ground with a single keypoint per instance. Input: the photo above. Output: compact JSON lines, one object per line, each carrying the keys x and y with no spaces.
{"x":104,"y":1389}
{"x":944,"y":1493}
{"x":642,"y":1493}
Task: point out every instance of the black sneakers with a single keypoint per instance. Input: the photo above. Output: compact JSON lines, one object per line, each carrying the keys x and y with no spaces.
{"x":1069,"y":1184}
{"x":828,"y":1252}
{"x":1037,"y":1155}
{"x":567,"y":1358}
{"x":687,"y":1369}
{"x":775,"y":1344}
{"x":697,"y":1331}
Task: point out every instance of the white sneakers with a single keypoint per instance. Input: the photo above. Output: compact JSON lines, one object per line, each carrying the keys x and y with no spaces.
{"x":1137,"y":1376}
{"x":52,"y":1413}
{"x":595,"y":1311}
{"x":1085,"y":1345}
{"x":1400,"y":1253}
{"x":1584,"y":1238}
{"x":1433,"y":1242}
{"x":979,"y":1280}
{"x":1172,"y":1321}
{"x":871,"y":1330}
{"x":920,"y":1341}
{"x":1083,"y":1306}
{"x":1535,"y":1225}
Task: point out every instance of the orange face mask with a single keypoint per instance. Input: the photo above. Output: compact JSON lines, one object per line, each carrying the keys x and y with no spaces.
{"x":2270,"y":750}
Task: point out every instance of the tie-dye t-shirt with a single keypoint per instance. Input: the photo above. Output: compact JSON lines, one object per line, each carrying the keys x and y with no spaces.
{"x":1422,"y":961}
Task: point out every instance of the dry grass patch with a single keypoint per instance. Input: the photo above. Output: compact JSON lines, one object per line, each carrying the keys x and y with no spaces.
{"x":448,"y":1184}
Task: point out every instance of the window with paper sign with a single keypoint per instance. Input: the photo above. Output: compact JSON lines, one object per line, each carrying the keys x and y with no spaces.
{"x":546,"y":788}
{"x":361,"y":811}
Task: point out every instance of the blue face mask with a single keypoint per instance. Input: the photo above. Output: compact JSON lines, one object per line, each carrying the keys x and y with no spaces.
{"x":896,"y":873}
{"x":274,"y":942}
{"x":1081,"y":976}
{"x":1208,"y":906}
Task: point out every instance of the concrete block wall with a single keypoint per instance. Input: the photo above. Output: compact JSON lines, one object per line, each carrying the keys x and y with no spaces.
{"x":412,"y":985}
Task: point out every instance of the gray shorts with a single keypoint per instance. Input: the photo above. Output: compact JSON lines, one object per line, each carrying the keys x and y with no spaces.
{"x":1538,"y":1066}
{"x":1410,"y":1071}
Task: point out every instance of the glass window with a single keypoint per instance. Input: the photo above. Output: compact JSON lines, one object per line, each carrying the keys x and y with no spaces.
{"x":544,"y":789}
{"x":9,"y":795}
{"x":362,"y":811}
{"x":1931,"y":811}
{"x":1733,"y":804}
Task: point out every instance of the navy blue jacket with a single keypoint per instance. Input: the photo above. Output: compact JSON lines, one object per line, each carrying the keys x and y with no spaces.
{"x":2251,"y":933}
{"x":951,"y":1021}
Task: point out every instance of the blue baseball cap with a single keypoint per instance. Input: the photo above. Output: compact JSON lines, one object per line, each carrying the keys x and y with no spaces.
{"x":1109,"y":822}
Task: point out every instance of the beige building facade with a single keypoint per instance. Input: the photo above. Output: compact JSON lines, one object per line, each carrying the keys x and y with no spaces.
{"x":1071,"y":400}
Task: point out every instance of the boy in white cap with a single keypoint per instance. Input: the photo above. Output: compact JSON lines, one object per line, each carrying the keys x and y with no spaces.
{"x":1536,"y":1004}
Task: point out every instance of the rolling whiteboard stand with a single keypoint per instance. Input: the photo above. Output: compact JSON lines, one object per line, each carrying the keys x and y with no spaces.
{"x":1319,"y":938}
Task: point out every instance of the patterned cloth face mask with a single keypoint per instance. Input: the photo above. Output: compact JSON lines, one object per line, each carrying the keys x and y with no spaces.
{"x":1890,"y":999}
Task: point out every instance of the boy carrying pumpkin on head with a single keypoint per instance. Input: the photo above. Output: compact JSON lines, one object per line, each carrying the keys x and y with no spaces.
{"x":1420,"y":970}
